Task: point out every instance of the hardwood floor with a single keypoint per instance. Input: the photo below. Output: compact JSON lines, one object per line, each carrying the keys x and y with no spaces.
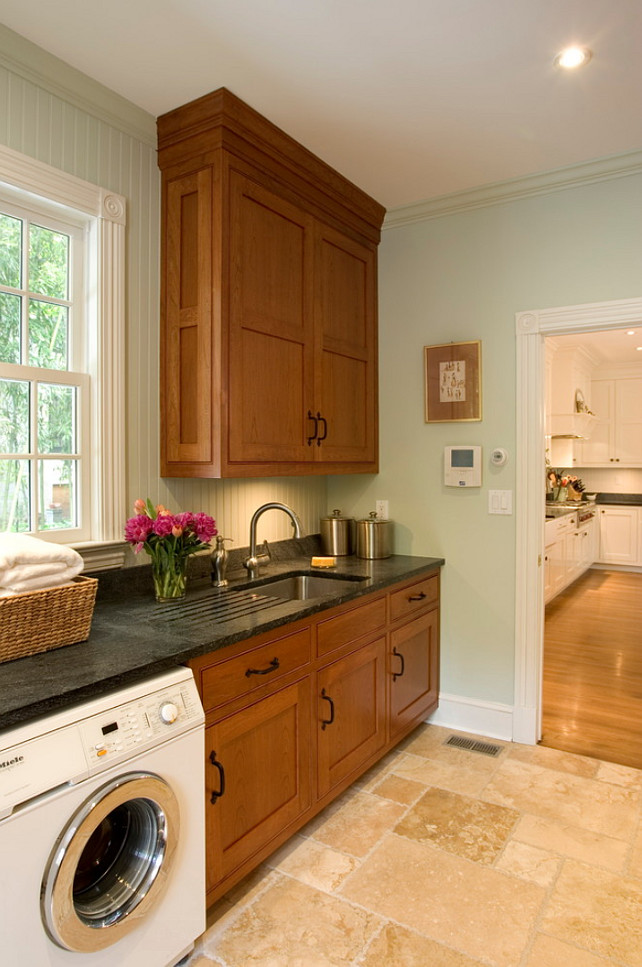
{"x":592,"y":682}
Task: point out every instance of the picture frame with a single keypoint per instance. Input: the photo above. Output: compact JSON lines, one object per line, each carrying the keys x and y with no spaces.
{"x":452,"y":376}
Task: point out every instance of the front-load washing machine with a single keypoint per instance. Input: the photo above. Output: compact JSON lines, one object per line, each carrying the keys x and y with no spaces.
{"x":102,"y":830}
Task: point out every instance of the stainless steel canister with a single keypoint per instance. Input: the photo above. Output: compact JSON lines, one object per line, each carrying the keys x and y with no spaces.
{"x":337,"y":534}
{"x":374,"y":537}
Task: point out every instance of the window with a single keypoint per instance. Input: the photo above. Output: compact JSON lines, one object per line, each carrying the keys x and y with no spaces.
{"x":44,"y":389}
{"x":61,"y":359}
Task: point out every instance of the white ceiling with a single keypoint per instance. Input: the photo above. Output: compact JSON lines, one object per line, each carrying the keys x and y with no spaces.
{"x":614,"y":346}
{"x":410,"y":99}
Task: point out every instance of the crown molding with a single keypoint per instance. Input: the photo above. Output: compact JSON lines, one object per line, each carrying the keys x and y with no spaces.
{"x":498,"y":193}
{"x":53,"y":75}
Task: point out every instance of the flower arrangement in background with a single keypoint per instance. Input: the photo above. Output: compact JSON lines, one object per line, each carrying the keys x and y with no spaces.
{"x":169,"y":539}
{"x":564,"y":484}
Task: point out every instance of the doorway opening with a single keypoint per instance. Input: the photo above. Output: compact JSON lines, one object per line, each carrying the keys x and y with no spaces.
{"x":532,"y":329}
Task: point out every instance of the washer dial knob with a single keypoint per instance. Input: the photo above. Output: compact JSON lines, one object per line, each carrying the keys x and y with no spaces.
{"x":168,"y":713}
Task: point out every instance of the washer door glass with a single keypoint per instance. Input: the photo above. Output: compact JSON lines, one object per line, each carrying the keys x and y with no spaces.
{"x":111,"y":863}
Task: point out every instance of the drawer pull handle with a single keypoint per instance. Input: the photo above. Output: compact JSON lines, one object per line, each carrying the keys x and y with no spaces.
{"x":221,"y":772}
{"x":417,"y":597}
{"x":316,"y":428}
{"x":329,"y":721}
{"x":272,"y":667}
{"x":397,"y":675}
{"x":323,"y":420}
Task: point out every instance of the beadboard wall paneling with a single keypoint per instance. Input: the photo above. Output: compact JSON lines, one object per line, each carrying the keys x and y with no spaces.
{"x":47,"y":113}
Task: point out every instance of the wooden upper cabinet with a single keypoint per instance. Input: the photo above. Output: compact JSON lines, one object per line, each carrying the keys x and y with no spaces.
{"x":268,"y":302}
{"x":186,"y":363}
{"x":346,"y":332}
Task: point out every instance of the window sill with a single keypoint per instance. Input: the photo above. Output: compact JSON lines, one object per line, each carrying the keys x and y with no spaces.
{"x":102,"y":555}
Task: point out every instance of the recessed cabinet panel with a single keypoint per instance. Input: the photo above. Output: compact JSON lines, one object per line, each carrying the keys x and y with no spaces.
{"x":344,"y":270}
{"x":187,"y":330}
{"x":345,"y":406}
{"x":268,"y":370}
{"x":257,"y":776}
{"x":269,"y":252}
{"x":413,"y":671}
{"x":270,"y":324}
{"x":628,"y":421}
{"x":351,"y":713}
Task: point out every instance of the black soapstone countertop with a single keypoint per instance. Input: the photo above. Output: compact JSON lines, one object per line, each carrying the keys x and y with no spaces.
{"x":133,"y":637}
{"x":632,"y":500}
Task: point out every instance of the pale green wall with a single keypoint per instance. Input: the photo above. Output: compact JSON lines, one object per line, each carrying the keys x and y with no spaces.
{"x":461,"y":277}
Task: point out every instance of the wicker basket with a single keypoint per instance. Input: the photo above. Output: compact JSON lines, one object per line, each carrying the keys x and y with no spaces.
{"x":38,"y":621}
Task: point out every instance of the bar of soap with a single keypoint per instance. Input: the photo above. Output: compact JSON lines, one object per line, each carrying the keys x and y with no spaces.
{"x":323,"y":562}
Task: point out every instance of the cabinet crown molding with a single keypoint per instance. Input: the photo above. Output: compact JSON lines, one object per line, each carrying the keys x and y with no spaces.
{"x":222,"y":120}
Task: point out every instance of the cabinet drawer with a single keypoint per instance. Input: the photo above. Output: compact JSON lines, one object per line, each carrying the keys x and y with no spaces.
{"x":356,"y":623}
{"x":415,"y":598}
{"x":245,"y":673}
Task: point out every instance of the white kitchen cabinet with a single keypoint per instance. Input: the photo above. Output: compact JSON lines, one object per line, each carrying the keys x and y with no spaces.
{"x":585,"y":551}
{"x":559,"y":564}
{"x":620,"y":535}
{"x":569,"y":551}
{"x":616,"y":439}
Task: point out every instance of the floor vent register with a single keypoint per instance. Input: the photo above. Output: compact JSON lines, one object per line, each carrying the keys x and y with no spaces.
{"x":472,"y":745}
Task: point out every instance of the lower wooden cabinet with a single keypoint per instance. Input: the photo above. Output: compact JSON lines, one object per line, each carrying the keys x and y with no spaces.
{"x":351,"y":713}
{"x":257,"y":777}
{"x":295,"y":715}
{"x":413,"y":672}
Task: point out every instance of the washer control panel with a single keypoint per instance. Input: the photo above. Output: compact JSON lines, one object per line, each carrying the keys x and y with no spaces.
{"x":123,"y":731}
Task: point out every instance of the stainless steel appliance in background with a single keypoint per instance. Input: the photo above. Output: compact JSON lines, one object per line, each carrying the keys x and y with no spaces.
{"x":102,"y":830}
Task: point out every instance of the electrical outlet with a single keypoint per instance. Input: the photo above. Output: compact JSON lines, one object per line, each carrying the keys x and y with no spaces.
{"x":381,"y":507}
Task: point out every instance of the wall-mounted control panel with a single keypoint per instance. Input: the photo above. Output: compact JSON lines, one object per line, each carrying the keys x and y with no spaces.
{"x":462,"y":466}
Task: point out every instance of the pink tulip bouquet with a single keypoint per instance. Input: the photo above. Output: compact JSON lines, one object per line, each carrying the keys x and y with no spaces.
{"x":169,"y":539}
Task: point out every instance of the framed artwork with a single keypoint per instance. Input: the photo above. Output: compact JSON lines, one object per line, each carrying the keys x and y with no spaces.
{"x":453,"y":382}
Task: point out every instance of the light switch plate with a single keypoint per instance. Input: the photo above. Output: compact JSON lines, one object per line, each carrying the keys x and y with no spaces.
{"x":500,"y":501}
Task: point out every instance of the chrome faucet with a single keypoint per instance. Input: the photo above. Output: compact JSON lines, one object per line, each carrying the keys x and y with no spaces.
{"x":254,"y":561}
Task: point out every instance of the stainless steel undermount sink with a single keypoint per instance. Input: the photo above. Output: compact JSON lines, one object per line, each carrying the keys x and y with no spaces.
{"x":303,"y":587}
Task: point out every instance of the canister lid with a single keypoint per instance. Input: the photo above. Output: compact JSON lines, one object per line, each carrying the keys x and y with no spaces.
{"x":337,"y":515}
{"x":373,"y":519}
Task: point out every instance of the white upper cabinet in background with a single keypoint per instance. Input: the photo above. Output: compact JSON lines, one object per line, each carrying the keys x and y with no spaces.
{"x":617,"y":436}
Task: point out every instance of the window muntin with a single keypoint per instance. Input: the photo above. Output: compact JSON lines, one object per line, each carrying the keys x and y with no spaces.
{"x":44,"y":388}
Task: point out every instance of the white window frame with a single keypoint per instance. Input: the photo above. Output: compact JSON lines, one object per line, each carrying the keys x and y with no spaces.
{"x":105,"y":215}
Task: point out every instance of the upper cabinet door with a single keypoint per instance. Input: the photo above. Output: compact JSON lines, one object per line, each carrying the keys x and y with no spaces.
{"x":628,"y":421}
{"x":270,"y":335}
{"x":186,"y":330}
{"x":346,"y":349}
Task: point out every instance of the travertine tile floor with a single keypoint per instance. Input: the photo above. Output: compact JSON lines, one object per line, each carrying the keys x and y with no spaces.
{"x":441,"y":857}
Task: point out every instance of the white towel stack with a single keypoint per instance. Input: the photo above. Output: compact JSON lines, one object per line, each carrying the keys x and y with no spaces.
{"x":29,"y":564}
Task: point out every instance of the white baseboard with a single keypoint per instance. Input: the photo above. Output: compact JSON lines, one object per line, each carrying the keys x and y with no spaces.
{"x":490,"y":719}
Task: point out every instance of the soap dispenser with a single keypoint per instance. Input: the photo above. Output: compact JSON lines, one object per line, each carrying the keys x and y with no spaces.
{"x":219,"y":562}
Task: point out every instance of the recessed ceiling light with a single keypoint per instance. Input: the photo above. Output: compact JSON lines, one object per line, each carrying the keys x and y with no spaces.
{"x":639,"y":349}
{"x":630,"y":332}
{"x":572,"y":57}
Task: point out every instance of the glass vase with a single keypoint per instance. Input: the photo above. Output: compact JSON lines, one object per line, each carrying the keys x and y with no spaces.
{"x":170,"y":578}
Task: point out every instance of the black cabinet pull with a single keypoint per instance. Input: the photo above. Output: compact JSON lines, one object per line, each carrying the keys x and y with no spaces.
{"x":417,"y":597}
{"x":323,"y":420}
{"x":221,"y":772}
{"x":329,"y":721}
{"x":397,"y":675}
{"x":316,"y":428}
{"x":272,"y":667}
